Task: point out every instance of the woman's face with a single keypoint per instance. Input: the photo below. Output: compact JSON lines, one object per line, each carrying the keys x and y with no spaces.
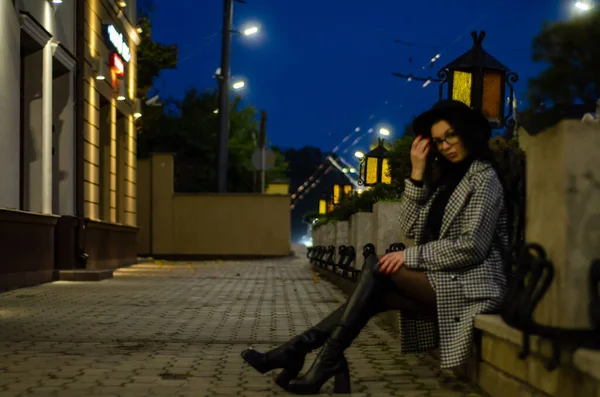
{"x":447,"y":142}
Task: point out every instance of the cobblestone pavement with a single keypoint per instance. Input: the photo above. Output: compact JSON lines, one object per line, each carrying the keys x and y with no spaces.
{"x":177,"y":329}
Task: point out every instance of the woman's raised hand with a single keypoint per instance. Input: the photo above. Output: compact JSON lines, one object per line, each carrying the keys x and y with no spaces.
{"x":418,"y":157}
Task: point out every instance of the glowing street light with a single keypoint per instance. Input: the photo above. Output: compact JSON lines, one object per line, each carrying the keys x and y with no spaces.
{"x":583,"y":6}
{"x":238,"y":85}
{"x":359,"y":155}
{"x":252,"y":30}
{"x":384,"y":132}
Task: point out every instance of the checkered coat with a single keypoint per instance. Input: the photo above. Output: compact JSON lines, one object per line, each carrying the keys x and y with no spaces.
{"x":465,"y":266}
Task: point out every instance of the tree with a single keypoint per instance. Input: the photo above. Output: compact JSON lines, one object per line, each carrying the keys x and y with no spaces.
{"x":570,"y":49}
{"x":189,"y":129}
{"x":152,"y":57}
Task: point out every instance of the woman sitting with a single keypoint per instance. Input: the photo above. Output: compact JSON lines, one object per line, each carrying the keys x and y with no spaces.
{"x":453,"y":206}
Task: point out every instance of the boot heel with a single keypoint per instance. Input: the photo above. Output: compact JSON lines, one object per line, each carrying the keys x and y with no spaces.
{"x":341,"y":383}
{"x":289,"y":373}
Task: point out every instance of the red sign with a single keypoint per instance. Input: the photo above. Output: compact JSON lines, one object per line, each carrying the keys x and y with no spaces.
{"x":117,"y":64}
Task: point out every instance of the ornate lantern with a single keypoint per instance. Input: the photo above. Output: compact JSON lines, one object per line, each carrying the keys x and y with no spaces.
{"x":375,"y":167}
{"x":479,"y":80}
{"x":341,"y":191}
{"x":322,"y":207}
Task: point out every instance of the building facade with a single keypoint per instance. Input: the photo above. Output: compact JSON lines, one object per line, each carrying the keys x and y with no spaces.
{"x":67,"y":148}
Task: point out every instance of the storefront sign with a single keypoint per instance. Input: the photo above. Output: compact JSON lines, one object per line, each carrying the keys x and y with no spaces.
{"x":117,"y":64}
{"x":118,"y":42}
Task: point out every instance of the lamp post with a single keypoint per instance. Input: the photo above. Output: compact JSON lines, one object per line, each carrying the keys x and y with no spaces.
{"x":224,"y":77}
{"x":374,"y":166}
{"x":480,"y":80}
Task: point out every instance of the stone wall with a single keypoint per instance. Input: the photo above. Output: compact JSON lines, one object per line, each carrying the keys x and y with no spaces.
{"x":563,"y":216}
{"x":386,"y":226}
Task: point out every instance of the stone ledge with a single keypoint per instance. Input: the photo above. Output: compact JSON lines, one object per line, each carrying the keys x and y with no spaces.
{"x":585,"y":360}
{"x":500,"y":346}
{"x":83,"y":275}
{"x":588,"y":362}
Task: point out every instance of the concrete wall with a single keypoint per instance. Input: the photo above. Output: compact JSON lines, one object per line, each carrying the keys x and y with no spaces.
{"x":207,"y":224}
{"x":32,"y":139}
{"x":59,"y":19}
{"x":9,"y":106}
{"x":63,"y":175}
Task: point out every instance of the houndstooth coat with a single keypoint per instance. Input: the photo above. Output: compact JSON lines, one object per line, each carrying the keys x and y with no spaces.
{"x":465,"y":266}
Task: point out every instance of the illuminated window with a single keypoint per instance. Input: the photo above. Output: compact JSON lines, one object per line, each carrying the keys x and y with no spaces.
{"x":347,"y":190}
{"x":461,"y":87}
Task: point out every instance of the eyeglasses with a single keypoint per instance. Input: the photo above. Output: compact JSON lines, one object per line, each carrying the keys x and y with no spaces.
{"x":451,"y":138}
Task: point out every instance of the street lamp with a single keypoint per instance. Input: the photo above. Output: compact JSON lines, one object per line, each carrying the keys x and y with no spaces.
{"x":224,"y":77}
{"x":479,"y":80}
{"x":375,"y":167}
{"x":238,"y":85}
{"x":251,"y":30}
{"x":384,"y":132}
{"x":584,"y":6}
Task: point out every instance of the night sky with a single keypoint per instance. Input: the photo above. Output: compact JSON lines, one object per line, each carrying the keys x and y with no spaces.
{"x":322,"y":68}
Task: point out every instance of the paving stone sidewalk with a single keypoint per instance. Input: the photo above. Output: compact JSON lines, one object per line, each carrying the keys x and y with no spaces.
{"x":177,"y":329}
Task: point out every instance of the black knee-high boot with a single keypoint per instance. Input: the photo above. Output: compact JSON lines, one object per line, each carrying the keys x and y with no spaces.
{"x":290,"y":356}
{"x":364,"y":304}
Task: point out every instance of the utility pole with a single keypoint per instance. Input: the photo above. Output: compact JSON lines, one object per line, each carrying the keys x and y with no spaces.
{"x":262,"y":139}
{"x":224,"y":97}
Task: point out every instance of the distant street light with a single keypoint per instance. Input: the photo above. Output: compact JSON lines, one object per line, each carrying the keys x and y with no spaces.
{"x":251,"y":31}
{"x":238,"y":85}
{"x":359,"y":155}
{"x":384,"y":132}
{"x":583,"y":6}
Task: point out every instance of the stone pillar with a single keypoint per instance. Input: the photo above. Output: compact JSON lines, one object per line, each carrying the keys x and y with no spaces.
{"x":386,"y":226}
{"x":563,"y":215}
{"x":328,"y":234}
{"x":341,"y":234}
{"x":362,"y":229}
{"x":315,"y":237}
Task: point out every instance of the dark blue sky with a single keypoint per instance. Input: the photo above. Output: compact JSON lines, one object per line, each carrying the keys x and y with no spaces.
{"x":322,"y":68}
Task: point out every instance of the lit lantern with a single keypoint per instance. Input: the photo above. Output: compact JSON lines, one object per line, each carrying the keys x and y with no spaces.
{"x":322,"y":207}
{"x":347,"y":190}
{"x":337,"y":194}
{"x":375,"y":167}
{"x":340,"y":192}
{"x":479,"y":80}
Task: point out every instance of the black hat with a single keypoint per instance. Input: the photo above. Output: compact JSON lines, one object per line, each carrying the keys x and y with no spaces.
{"x":448,"y":109}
